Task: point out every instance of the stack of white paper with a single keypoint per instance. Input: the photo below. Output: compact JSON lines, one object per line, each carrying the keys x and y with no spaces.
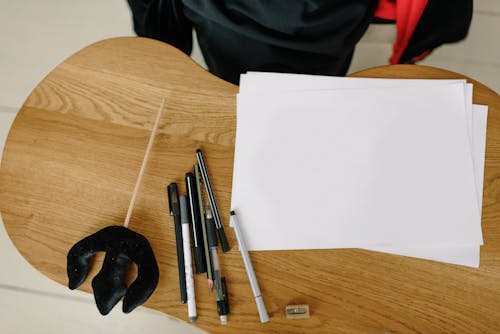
{"x":391,"y":165}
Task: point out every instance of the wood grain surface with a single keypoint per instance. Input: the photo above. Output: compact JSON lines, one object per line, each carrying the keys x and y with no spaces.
{"x":76,"y":146}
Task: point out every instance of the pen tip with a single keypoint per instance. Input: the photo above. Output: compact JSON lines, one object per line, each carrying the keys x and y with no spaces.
{"x":223,"y":320}
{"x":233,"y":213}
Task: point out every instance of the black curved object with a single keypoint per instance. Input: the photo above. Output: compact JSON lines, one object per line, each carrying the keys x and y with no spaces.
{"x":121,"y":246}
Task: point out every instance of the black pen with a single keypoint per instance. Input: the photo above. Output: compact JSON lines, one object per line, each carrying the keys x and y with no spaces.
{"x":213,"y":203}
{"x":197,"y":236}
{"x":219,"y":281}
{"x":173,"y":204}
{"x":197,"y":176}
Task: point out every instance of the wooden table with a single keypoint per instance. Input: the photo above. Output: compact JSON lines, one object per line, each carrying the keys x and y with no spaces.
{"x":76,"y":146}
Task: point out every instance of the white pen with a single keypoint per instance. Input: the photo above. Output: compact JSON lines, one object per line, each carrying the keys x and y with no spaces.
{"x":188,"y":267}
{"x":261,"y":307}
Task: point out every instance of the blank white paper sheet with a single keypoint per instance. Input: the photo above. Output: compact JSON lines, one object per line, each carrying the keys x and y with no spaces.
{"x":392,"y":167}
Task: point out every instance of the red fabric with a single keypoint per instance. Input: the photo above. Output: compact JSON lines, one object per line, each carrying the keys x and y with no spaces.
{"x":406,"y":13}
{"x":386,"y":10}
{"x":421,"y":56}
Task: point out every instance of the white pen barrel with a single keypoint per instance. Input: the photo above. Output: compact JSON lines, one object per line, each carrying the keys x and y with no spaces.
{"x":246,"y":260}
{"x":188,"y":267}
{"x":188,"y":262}
{"x":261,"y":307}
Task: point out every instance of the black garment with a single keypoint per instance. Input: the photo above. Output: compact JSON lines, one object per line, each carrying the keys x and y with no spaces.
{"x":235,"y":36}
{"x":299,"y":36}
{"x":162,"y":20}
{"x":443,"y":21}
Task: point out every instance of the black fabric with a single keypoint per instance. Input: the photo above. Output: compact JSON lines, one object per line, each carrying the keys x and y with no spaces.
{"x":235,"y":36}
{"x":299,"y":36}
{"x":121,"y":245}
{"x":443,"y":21}
{"x":162,"y":20}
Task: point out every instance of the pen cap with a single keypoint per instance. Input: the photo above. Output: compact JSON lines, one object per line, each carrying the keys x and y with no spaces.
{"x":226,"y":295}
{"x":173,"y":199}
{"x":223,"y":240}
{"x":223,"y":305}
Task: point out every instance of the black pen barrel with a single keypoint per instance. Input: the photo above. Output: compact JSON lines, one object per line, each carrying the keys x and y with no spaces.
{"x":197,"y":233}
{"x":173,"y":201}
{"x":213,"y":203}
{"x":211,"y":234}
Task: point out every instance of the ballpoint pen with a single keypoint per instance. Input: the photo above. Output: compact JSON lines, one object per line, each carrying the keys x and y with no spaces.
{"x":198,"y":248}
{"x":261,"y":307}
{"x":213,"y":203}
{"x":197,"y":177}
{"x":222,"y":303}
{"x":186,"y":242}
{"x":173,"y":203}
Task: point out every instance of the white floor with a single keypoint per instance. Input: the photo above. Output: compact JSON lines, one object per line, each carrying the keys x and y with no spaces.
{"x":37,"y":35}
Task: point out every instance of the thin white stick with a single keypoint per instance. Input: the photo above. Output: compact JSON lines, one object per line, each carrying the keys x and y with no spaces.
{"x":144,"y":163}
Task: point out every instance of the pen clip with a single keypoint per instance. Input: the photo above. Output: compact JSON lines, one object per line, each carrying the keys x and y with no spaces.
{"x":173,"y":199}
